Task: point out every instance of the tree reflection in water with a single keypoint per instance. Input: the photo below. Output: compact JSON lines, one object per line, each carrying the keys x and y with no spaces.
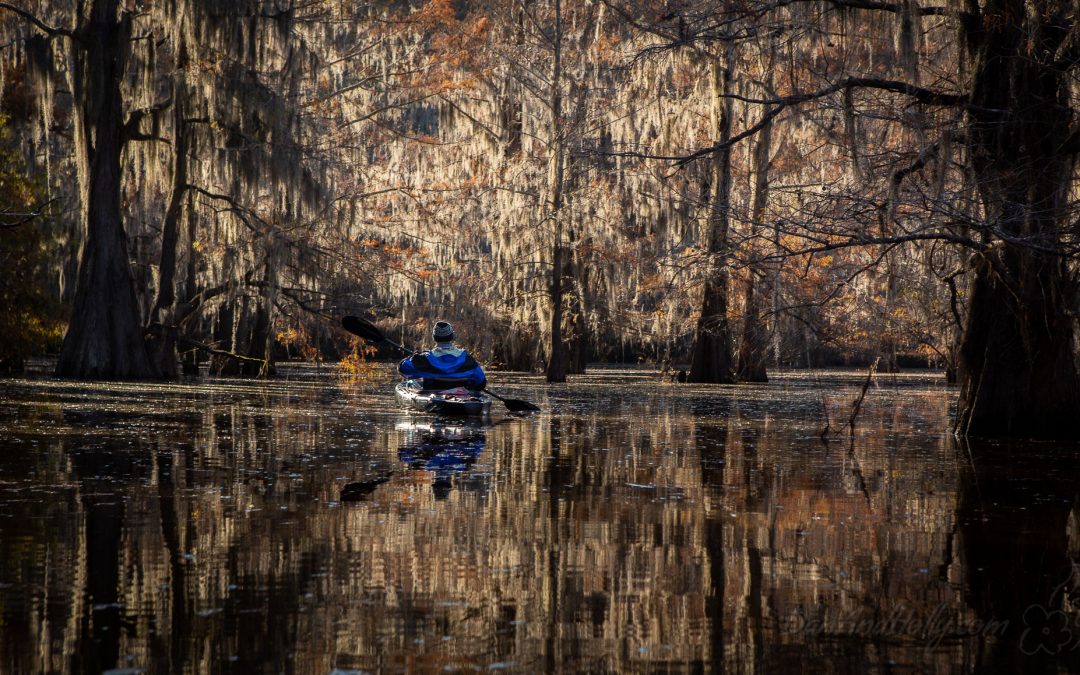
{"x":204,"y":527}
{"x":1018,"y":526}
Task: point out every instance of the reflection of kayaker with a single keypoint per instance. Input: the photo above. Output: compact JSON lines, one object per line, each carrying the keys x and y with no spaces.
{"x":442,"y":450}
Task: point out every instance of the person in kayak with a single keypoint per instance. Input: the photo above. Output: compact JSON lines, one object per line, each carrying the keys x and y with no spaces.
{"x":446,"y":366}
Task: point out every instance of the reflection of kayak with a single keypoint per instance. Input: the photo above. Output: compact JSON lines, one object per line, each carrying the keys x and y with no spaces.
{"x":442,"y":458}
{"x":416,"y":428}
{"x":439,"y":446}
{"x":458,"y":401}
{"x":443,"y":450}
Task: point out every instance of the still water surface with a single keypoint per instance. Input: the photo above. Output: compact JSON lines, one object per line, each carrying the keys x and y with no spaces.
{"x":305,"y":525}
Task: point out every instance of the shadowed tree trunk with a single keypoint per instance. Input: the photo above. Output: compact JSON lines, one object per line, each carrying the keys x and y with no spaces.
{"x":190,"y":359}
{"x":163,"y":319}
{"x":1017,"y":369}
{"x":577,"y":323}
{"x":712,"y":358}
{"x":556,"y":366}
{"x":261,"y":339}
{"x":752,"y":346}
{"x":225,"y":334}
{"x":578,"y":347}
{"x":105,"y":336}
{"x":240,"y":337}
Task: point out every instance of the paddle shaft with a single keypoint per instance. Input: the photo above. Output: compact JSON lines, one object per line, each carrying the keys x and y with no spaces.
{"x":401,"y":348}
{"x":494,"y":395}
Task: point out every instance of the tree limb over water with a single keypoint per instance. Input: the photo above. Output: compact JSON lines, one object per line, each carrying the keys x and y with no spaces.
{"x":13,"y":219}
{"x":778,"y":105}
{"x":51,"y":31}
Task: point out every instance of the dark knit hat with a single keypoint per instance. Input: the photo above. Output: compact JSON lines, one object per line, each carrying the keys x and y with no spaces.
{"x":442,"y":332}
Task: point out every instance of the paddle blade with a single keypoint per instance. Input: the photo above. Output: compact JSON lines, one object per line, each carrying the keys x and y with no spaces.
{"x":517,"y":405}
{"x":361,"y":328}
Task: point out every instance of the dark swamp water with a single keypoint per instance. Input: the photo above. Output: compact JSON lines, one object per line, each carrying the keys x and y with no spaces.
{"x":303,"y":525}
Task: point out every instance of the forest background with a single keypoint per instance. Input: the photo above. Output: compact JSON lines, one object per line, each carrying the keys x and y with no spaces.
{"x":731,"y":185}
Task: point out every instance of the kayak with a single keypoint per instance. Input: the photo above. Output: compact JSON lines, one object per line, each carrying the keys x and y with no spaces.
{"x":458,"y":401}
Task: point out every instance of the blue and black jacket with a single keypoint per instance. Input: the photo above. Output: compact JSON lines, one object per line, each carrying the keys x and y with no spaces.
{"x":443,"y":369}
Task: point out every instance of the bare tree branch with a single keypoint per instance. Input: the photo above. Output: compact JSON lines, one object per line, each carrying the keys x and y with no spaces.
{"x":38,"y":23}
{"x":21,"y":218}
{"x":893,"y":7}
{"x":777,"y":106}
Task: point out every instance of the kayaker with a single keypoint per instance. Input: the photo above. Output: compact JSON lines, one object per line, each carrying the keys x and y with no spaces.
{"x":446,"y":366}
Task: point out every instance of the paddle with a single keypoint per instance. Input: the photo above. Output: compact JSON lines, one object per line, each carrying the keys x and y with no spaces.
{"x":514,"y":404}
{"x":371,"y":333}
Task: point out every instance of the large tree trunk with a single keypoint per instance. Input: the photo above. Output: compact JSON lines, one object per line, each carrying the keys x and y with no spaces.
{"x":162,"y":324}
{"x":225,"y":333}
{"x":1017,"y":370}
{"x":752,"y":346}
{"x":556,"y":367}
{"x":105,"y":336}
{"x":578,"y":343}
{"x":712,"y":358}
{"x":240,"y":336}
{"x":260,"y":343}
{"x":261,"y":340}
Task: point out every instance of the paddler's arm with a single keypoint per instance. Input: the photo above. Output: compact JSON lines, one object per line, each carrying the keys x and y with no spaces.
{"x":477,"y":379}
{"x":408,"y":369}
